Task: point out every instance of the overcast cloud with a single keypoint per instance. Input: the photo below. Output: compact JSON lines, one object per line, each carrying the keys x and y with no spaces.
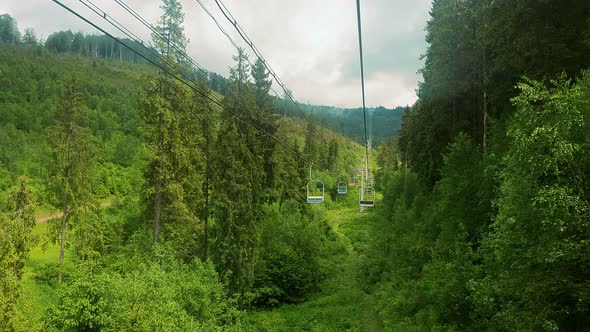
{"x":311,"y":44}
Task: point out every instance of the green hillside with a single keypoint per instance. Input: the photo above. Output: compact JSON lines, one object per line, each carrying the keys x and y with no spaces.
{"x":173,"y":199}
{"x":110,"y":212}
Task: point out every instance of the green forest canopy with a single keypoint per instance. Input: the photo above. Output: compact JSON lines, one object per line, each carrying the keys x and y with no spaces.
{"x":484,"y":222}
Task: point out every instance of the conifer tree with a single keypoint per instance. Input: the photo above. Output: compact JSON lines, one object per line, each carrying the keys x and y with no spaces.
{"x":16,"y":240}
{"x":310,"y":149}
{"x":207,"y":126}
{"x":237,"y":188}
{"x":170,"y":39}
{"x":266,"y":119}
{"x":165,"y":106}
{"x":70,"y":168}
{"x":173,"y":138}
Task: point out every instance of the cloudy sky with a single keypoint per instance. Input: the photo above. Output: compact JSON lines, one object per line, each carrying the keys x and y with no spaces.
{"x":311,"y":44}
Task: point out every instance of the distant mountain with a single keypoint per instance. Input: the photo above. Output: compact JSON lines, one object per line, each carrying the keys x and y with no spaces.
{"x":382,"y":123}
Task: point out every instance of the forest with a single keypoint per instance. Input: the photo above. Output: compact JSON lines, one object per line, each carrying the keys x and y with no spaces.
{"x":130,"y":201}
{"x":383,"y":124}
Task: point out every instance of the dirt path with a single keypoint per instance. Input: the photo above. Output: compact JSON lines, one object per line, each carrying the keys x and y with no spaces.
{"x":41,"y":218}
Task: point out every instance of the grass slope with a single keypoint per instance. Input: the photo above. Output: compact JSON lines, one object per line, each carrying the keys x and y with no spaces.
{"x":341,"y":304}
{"x":36,"y":296}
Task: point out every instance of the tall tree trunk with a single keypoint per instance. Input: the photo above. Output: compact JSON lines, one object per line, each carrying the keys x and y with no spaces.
{"x":158,"y":193}
{"x":64,"y":218}
{"x":485,"y":100}
{"x":206,"y":191}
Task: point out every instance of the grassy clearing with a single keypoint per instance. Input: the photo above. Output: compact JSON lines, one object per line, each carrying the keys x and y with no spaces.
{"x":341,"y":304}
{"x":37,"y":296}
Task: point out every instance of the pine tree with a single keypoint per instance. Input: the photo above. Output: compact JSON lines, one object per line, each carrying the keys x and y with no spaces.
{"x":238,"y":184}
{"x":267,"y":120}
{"x":72,"y":158}
{"x":16,"y":240}
{"x":165,"y":103}
{"x":170,"y":39}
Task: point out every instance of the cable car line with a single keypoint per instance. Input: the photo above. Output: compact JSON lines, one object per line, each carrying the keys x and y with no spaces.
{"x":358,"y":15}
{"x":97,"y":10}
{"x":366,"y":193}
{"x":217,"y":23}
{"x":187,"y":57}
{"x":231,"y":40}
{"x":258,"y":54}
{"x":180,"y":79}
{"x":156,"y":32}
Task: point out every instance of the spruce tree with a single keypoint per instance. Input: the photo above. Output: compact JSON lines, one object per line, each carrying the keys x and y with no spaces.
{"x":165,"y":106}
{"x":267,"y":120}
{"x":208,"y":119}
{"x":170,"y":39}
{"x":238,"y":185}
{"x":16,"y":240}
{"x":71,"y":162}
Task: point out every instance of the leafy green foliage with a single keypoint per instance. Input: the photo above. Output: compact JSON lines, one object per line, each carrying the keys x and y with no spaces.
{"x":238,"y":187}
{"x":478,"y":51}
{"x":165,"y":296}
{"x":16,"y":240}
{"x":450,"y":259}
{"x":288,"y":265}
{"x":543,"y":217}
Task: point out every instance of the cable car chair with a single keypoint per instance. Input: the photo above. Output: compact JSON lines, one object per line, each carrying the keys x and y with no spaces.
{"x":367,"y":197}
{"x":367,"y":193}
{"x":315,"y":199}
{"x":342,"y":187}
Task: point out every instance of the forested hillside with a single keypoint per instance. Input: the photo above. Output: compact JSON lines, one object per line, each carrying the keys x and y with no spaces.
{"x":487,"y":224}
{"x":139,"y":193}
{"x":130,"y":202}
{"x":383,"y":124}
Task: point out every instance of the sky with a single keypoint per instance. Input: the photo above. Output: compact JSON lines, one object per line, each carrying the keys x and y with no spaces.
{"x":312,"y":45}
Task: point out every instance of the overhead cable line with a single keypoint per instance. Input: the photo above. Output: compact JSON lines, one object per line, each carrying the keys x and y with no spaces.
{"x":358,"y":16}
{"x":159,"y":35}
{"x":258,"y":54}
{"x":98,"y":11}
{"x":183,"y":53}
{"x":101,"y":13}
{"x":217,"y":23}
{"x":200,"y":2}
{"x":177,"y":77}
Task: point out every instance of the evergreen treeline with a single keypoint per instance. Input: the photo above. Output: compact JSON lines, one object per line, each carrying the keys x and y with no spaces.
{"x":174,"y":215}
{"x":95,"y":46}
{"x":100,"y":46}
{"x":382,"y":123}
{"x":486,"y":224}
